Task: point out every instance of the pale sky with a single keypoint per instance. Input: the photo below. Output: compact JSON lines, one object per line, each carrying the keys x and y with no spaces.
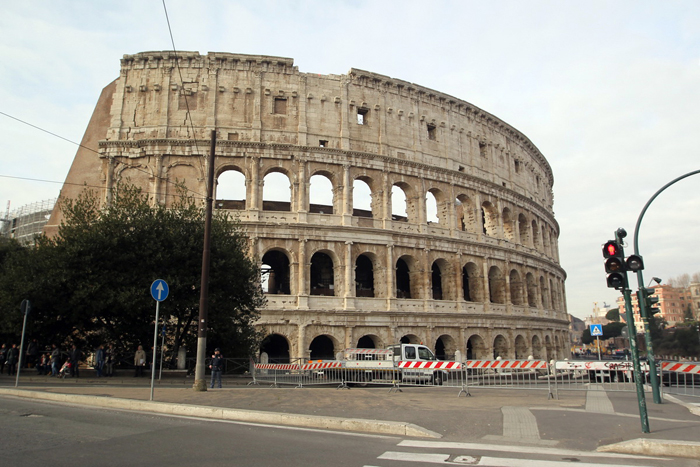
{"x":609,"y":91}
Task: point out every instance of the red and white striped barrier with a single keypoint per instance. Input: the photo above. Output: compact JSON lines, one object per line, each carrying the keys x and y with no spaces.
{"x":508,"y":364}
{"x":688,"y":368}
{"x":321,"y":365}
{"x":276,"y":366}
{"x":431,"y":365}
{"x":370,"y":351}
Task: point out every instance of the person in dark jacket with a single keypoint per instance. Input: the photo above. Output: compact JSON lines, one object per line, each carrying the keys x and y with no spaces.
{"x":75,"y":356}
{"x":12,"y":358}
{"x":217,"y":366}
{"x":3,"y":358}
{"x":32,"y":353}
{"x":55,"y":359}
{"x":99,"y":360}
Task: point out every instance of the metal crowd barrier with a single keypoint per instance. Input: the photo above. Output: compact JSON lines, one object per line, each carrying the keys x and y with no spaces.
{"x":680,"y":378}
{"x":298,"y":373}
{"x":507,"y":374}
{"x":596,"y":375}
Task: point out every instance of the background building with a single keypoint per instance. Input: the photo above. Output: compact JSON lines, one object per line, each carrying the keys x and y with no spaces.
{"x":27,"y":222}
{"x":435,"y":221}
{"x":675,"y":304}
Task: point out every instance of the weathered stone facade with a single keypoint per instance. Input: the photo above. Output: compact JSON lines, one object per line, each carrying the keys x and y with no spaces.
{"x":483,"y":280}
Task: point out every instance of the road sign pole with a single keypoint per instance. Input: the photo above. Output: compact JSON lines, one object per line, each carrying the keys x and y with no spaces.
{"x":162,"y":351}
{"x":637,"y":369}
{"x":159,"y":292}
{"x":25,"y":309}
{"x":597,"y":342}
{"x":155,"y":349}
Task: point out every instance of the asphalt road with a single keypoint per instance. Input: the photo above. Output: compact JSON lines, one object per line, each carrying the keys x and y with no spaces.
{"x":39,"y":434}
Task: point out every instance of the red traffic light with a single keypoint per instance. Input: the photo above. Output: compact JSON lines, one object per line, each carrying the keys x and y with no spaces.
{"x":611,"y":249}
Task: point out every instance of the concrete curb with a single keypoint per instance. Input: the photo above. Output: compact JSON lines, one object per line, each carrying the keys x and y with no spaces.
{"x":691,"y":408}
{"x":242,"y":415}
{"x":655,"y":447}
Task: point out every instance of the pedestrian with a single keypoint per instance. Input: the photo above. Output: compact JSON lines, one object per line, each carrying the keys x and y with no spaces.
{"x":3,"y":358}
{"x":32,"y":353}
{"x":109,"y":360}
{"x":55,"y":359}
{"x":99,"y":360}
{"x":12,"y":358}
{"x":217,"y":365}
{"x":75,"y":356}
{"x":42,"y":367}
{"x":139,"y":361}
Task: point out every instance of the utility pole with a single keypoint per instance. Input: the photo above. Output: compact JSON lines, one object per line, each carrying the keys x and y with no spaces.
{"x":200,"y":383}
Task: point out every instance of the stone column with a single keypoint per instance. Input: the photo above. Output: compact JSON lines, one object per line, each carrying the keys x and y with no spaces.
{"x":348,"y":292}
{"x":302,"y":292}
{"x":346,"y":196}
{"x":390,"y":274}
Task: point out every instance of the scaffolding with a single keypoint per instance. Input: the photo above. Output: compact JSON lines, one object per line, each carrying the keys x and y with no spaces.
{"x":26,"y":222}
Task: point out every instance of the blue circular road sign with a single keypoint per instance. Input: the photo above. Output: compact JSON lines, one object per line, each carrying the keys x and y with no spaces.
{"x":159,"y":290}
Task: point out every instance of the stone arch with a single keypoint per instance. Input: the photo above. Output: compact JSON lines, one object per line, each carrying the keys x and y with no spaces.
{"x":231,"y":189}
{"x":521,"y":350}
{"x":531,"y":290}
{"x":275,"y":272}
{"x":524,"y":230}
{"x":137,"y":175}
{"x":445,"y":347}
{"x":362,"y":198}
{"x":537,"y":349}
{"x":553,"y":295}
{"x":403,"y":193}
{"x":516,"y":288}
{"x":440,"y":205}
{"x":182,"y":173}
{"x":407,"y":280}
{"x":369,"y":341}
{"x":364,"y":275}
{"x":557,"y":348}
{"x":489,"y":219}
{"x":431,"y":208}
{"x":466,"y":219}
{"x":500,"y":346}
{"x":544,"y":293}
{"x":410,"y":339}
{"x":548,"y":347}
{"x":535,"y":235}
{"x":276,"y":346}
{"x":440,"y":280}
{"x":476,"y":348}
{"x":323,"y":347}
{"x":322,"y":193}
{"x":472,"y":285}
{"x":508,"y":224}
{"x":497,"y":285}
{"x":322,"y":274}
{"x":277,"y":191}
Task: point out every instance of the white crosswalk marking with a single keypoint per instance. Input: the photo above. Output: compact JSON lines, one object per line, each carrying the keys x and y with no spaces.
{"x":506,"y":462}
{"x":415,"y":457}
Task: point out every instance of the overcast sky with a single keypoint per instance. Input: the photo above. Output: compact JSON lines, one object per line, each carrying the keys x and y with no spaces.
{"x":609,"y":91}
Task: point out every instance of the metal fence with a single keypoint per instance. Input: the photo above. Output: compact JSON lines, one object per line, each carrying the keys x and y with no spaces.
{"x":680,"y":378}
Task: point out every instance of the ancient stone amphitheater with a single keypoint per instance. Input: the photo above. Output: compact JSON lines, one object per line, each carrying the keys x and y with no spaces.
{"x":380,"y":210}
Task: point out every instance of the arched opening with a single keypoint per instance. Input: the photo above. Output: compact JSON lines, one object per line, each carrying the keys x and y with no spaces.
{"x":466,"y":220}
{"x":398,"y":204}
{"x":410,"y":339}
{"x":520,"y":348}
{"x":500,"y":347}
{"x":535,"y":236}
{"x":489,"y":219}
{"x":368,"y":342}
{"x":322,"y":348}
{"x":431,"y":209}
{"x":230,"y":190}
{"x":497,"y":286}
{"x":277,"y":193}
{"x":544,"y":293}
{"x":445,"y":348}
{"x":321,"y":277}
{"x":516,"y":288}
{"x":508,"y":227}
{"x":471,"y":285}
{"x":321,"y":195}
{"x":361,"y":198}
{"x":437,"y":281}
{"x":476,"y":349}
{"x":276,"y":347}
{"x":553,"y":294}
{"x":364,"y":277}
{"x":403,"y":279}
{"x":524,"y":230}
{"x":531,"y":290}
{"x":275,"y":273}
{"x":537,"y":353}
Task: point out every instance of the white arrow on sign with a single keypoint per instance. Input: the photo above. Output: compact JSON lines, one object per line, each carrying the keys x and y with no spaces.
{"x":160,"y":290}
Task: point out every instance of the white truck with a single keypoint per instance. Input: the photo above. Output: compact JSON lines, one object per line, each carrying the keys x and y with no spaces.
{"x":410,"y":363}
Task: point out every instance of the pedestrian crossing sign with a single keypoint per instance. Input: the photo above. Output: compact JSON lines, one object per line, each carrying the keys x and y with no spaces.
{"x":596,"y":330}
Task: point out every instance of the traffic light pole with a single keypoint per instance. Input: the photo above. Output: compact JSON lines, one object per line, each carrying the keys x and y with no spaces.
{"x":637,"y":369}
{"x":643,"y":312}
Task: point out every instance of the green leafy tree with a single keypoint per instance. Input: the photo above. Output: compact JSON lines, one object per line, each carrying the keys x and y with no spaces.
{"x":613,"y":315}
{"x":90,"y":283}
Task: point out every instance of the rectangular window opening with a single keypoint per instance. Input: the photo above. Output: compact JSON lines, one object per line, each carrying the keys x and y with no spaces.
{"x":322,"y":143}
{"x":431,"y":132}
{"x":362,"y":116}
{"x":280,"y":106}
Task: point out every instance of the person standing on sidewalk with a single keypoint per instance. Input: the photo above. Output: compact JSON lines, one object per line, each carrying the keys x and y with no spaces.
{"x":217,"y":365}
{"x":55,"y":357}
{"x":139,"y":361}
{"x":3,"y":358}
{"x":99,"y":360}
{"x":75,"y":356}
{"x":32,"y":354}
{"x":109,"y":360}
{"x":12,"y":357}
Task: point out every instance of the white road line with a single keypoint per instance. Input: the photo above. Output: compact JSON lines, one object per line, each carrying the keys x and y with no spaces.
{"x":415,"y":457}
{"x":481,"y":447}
{"x":505,"y":462}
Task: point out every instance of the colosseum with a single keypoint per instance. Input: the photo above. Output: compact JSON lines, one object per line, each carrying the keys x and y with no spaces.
{"x":380,"y":211}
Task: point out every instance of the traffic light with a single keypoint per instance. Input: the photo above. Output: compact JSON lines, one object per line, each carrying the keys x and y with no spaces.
{"x":645,"y":294}
{"x":615,"y":265}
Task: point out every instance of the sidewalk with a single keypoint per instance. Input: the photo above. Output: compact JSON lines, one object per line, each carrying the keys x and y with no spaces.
{"x":582,"y":420}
